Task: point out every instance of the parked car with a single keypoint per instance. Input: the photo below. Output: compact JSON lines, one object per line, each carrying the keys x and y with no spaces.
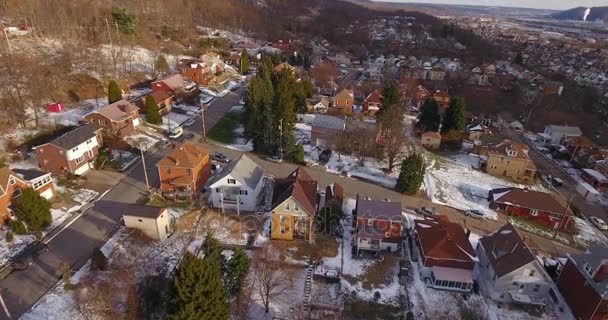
{"x":206,"y":99}
{"x":179,"y":110}
{"x":188,"y":122}
{"x":220,"y":157}
{"x":163,"y":144}
{"x":325,"y":156}
{"x":274,"y":159}
{"x":207,"y":91}
{"x":550,"y":181}
{"x":425,"y":211}
{"x":476,"y":214}
{"x":176,"y":133}
{"x":22,"y":263}
{"x":598,"y":223}
{"x":189,"y":136}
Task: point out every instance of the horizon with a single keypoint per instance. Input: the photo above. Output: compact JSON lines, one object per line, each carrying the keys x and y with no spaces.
{"x":530,"y":4}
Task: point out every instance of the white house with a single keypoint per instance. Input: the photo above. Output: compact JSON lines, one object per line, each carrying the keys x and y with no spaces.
{"x":237,"y":186}
{"x":154,"y":222}
{"x":509,"y":272}
{"x":554,"y":134}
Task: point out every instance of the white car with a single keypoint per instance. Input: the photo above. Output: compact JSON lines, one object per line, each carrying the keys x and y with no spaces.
{"x":207,"y":91}
{"x":188,"y":122}
{"x":476,"y":214}
{"x":205,"y":98}
{"x":176,"y":133}
{"x":598,"y":223}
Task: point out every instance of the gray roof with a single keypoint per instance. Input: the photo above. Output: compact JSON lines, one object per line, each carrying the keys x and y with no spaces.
{"x":567,"y":130}
{"x":595,"y":256}
{"x":329,"y":122}
{"x":384,"y":210}
{"x":75,"y":137}
{"x":143,"y":211}
{"x":242,"y":169}
{"x":29,"y":174}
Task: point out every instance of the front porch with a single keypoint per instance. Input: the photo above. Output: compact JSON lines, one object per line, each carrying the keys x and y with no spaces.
{"x":452,"y":279}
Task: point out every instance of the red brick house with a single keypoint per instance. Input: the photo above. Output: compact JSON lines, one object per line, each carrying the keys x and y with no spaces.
{"x":197,"y":71}
{"x":342,"y":103}
{"x":170,"y":85}
{"x":446,"y":256}
{"x":119,"y":118}
{"x":184,"y":171}
{"x":583,"y":283}
{"x":163,"y":100}
{"x":372,"y":103}
{"x":285,"y":45}
{"x":539,"y":207}
{"x":73,"y":152}
{"x":378,"y":225}
{"x":13,"y":182}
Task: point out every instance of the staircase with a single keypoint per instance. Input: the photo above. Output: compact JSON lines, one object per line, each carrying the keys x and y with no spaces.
{"x":413,"y":250}
{"x":307,"y":288}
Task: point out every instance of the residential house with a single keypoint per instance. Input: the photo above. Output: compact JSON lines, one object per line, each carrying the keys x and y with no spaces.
{"x":184,"y":171}
{"x":443,"y":100}
{"x":554,"y":134}
{"x":436,"y":74}
{"x":539,"y":207}
{"x":372,"y":103}
{"x":154,"y":222}
{"x":170,"y":85}
{"x":234,"y":59}
{"x":285,"y":67}
{"x":237,"y":186}
{"x":474,"y":131}
{"x":378,"y":225}
{"x":321,"y":106}
{"x":583,"y":282}
{"x":73,"y":152}
{"x":446,"y":257}
{"x":508,"y":159}
{"x":286,"y":45}
{"x":119,"y":118}
{"x":13,"y":182}
{"x":596,"y":179}
{"x":294,"y":207}
{"x":325,"y":130}
{"x":342,"y":103}
{"x":164,"y":102}
{"x":197,"y":71}
{"x":509,"y":272}
{"x":431,"y":140}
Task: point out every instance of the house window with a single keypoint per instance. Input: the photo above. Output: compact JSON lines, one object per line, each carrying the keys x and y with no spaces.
{"x":61,"y":152}
{"x":188,"y":172}
{"x":231,"y":181}
{"x":493,"y":166}
{"x":102,"y":122}
{"x":11,"y":180}
{"x":518,"y":171}
{"x":522,"y":286}
{"x":75,"y":149}
{"x":532,"y":272}
{"x":282,"y":231}
{"x":534,"y":212}
{"x":217,"y":190}
{"x":89,"y":141}
{"x":296,"y":207}
{"x":536,"y":288}
{"x":243,"y":192}
{"x":168,"y":170}
{"x":45,"y":161}
{"x":588,"y":269}
{"x":140,"y":220}
{"x":287,"y":206}
{"x":79,"y":159}
{"x":41,"y":150}
{"x":282,"y":218}
{"x":16,"y":192}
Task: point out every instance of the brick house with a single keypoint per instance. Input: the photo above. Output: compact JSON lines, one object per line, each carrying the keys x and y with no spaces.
{"x":184,"y":171}
{"x":197,"y":71}
{"x":285,"y":45}
{"x":163,"y":100}
{"x":508,"y":159}
{"x":342,"y":103}
{"x":378,"y":225}
{"x":294,"y":208}
{"x":583,"y":283}
{"x":170,"y":85}
{"x":539,"y":207}
{"x":73,"y":152}
{"x":325,"y":129}
{"x":119,"y":118}
{"x":372,"y":103}
{"x":446,"y":256}
{"x":13,"y":182}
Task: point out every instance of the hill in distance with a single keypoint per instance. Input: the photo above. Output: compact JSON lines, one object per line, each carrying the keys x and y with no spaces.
{"x":583,"y":14}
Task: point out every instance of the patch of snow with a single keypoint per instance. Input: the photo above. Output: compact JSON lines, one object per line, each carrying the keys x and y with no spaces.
{"x":587,"y":234}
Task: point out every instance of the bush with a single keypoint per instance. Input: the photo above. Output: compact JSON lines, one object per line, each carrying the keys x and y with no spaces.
{"x":298,"y":155}
{"x":9,"y":236}
{"x":38,"y":235}
{"x":98,"y":260}
{"x":17,"y":227}
{"x":33,"y":209}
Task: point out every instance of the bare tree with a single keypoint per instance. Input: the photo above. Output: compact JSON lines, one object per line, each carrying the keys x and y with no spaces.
{"x":271,"y":277}
{"x":392,"y":136}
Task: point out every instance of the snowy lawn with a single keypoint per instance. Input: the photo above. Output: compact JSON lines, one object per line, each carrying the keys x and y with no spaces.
{"x":141,"y":140}
{"x":588,"y":234}
{"x":121,"y":160}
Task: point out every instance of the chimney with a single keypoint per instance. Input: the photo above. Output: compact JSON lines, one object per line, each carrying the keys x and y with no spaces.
{"x":600,"y":273}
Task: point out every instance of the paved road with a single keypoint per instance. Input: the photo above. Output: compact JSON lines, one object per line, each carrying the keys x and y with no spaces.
{"x":74,"y":245}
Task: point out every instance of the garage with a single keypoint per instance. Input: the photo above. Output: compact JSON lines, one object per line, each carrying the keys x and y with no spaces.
{"x":84,"y":168}
{"x":48,"y":194}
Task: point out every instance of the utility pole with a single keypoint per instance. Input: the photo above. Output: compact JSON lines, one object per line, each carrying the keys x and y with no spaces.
{"x":5,"y":308}
{"x":561,"y":222}
{"x":8,"y":42}
{"x":204,"y":138}
{"x":143,"y":162}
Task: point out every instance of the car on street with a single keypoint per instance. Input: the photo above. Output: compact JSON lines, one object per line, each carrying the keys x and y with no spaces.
{"x":163,"y":144}
{"x":176,"y":133}
{"x":22,"y":263}
{"x":274,"y":159}
{"x":206,"y":99}
{"x":188,"y":122}
{"x":208,"y":91}
{"x":550,"y":181}
{"x":476,"y":214}
{"x":598,"y":223}
{"x":425,"y":211}
{"x":189,"y":136}
{"x":223,"y":93}
{"x":220,"y":157}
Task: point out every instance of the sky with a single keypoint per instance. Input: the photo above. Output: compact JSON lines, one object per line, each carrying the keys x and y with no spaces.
{"x":540,"y":4}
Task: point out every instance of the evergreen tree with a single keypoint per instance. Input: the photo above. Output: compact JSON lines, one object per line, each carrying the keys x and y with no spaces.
{"x":275,"y":59}
{"x":236,"y":272}
{"x":33,"y":209}
{"x":285,"y":116}
{"x":17,"y":227}
{"x":454,"y":120}
{"x":411,"y":175}
{"x":244,"y":62}
{"x":152,"y":113}
{"x":125,"y":21}
{"x":99,"y":261}
{"x":114,"y":92}
{"x":197,"y":291}
{"x":328,"y":219}
{"x":429,"y":118}
{"x":9,"y":236}
{"x":161,"y":66}
{"x":390,"y":99}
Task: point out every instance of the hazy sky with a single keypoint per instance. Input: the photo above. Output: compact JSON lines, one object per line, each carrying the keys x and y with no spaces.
{"x":542,"y":4}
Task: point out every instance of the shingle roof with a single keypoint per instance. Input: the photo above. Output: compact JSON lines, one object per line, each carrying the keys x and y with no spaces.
{"x":329,"y":122}
{"x":116,"y":111}
{"x":242,"y":169}
{"x":302,"y":187}
{"x":528,"y":199}
{"x":442,"y":239}
{"x":186,"y":155}
{"x":143,"y":211}
{"x":374,"y":97}
{"x":506,"y":250}
{"x":75,"y":137}
{"x":160,"y":96}
{"x":376,"y":209}
{"x":345,"y":94}
{"x":29,"y":174}
{"x":174,"y":81}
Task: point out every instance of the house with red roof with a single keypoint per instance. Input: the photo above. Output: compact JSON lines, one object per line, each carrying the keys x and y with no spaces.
{"x":171,"y":85}
{"x":119,"y":118}
{"x":372,"y":103}
{"x":378,"y":225}
{"x":538,"y":207}
{"x":444,"y":254}
{"x":163,"y":100}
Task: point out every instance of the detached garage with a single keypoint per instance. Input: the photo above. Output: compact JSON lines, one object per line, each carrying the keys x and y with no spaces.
{"x":153,"y":221}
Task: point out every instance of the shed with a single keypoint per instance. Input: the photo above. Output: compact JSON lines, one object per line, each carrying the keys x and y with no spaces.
{"x":55,"y":107}
{"x":153,"y":221}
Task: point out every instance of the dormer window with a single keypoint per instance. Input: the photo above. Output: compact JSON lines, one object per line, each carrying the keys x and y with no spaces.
{"x":589,"y":269}
{"x":511,"y":153}
{"x":11,"y":180}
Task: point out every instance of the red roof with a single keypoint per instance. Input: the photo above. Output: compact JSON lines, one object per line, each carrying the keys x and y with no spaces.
{"x":374,"y":97}
{"x":443,"y":240}
{"x":441,"y":94}
{"x":160,"y":96}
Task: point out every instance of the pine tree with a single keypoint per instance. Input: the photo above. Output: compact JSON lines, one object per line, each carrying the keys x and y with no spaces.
{"x":33,"y":209}
{"x":244,"y":62}
{"x":98,"y":260}
{"x":429,"y":118}
{"x":285,"y":115}
{"x":161,"y":66}
{"x":390,"y":97}
{"x":390,"y":117}
{"x":236,"y":272}
{"x":411,"y":175}
{"x":114,"y":93}
{"x":454,"y":120}
{"x":9,"y":236}
{"x":152,"y":113}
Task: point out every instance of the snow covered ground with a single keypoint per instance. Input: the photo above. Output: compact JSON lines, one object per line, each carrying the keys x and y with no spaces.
{"x":240,"y":143}
{"x":588,"y":234}
{"x":457,"y":182}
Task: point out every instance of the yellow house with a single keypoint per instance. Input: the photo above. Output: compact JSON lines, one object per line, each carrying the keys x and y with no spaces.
{"x":294,"y":208}
{"x":510,"y":160}
{"x":431,"y":140}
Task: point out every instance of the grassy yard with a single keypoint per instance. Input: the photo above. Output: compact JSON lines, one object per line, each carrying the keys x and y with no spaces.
{"x":325,"y":246}
{"x":377,"y":274}
{"x":223,"y":131}
{"x":360,"y":309}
